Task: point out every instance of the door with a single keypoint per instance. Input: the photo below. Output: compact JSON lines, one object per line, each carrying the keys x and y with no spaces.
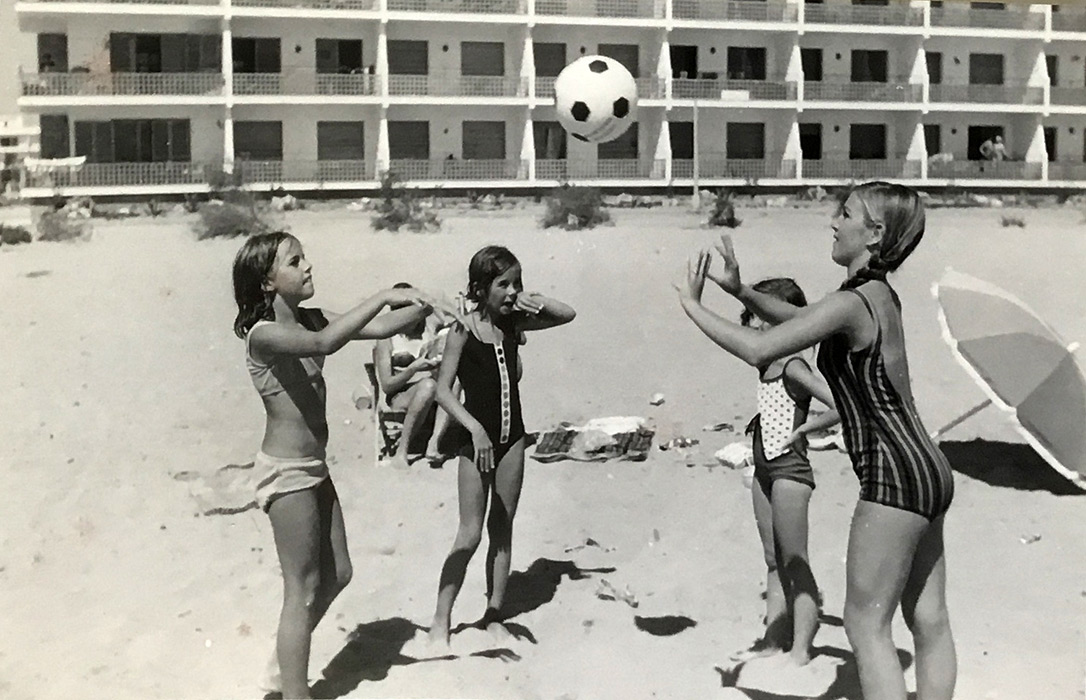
{"x":810,"y":141}
{"x":684,"y":61}
{"x":52,"y":53}
{"x":977,"y":136}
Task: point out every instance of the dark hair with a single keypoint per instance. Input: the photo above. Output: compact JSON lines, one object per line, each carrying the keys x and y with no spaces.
{"x":901,"y":212}
{"x":252,"y":265}
{"x":783,"y":288}
{"x":486,"y":266}
{"x":402,"y":285}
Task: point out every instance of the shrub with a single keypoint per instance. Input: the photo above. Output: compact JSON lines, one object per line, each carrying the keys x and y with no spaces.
{"x":723,"y":213}
{"x":1012,"y":220}
{"x":398,"y":206}
{"x":237,"y":214}
{"x":13,"y":235}
{"x":574,"y":208}
{"x":63,"y":225}
{"x":155,"y":208}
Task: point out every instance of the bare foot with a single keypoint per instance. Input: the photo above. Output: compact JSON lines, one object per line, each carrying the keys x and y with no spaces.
{"x":272,"y":682}
{"x":438,"y":637}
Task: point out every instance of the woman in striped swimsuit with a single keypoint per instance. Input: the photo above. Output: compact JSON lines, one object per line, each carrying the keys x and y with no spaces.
{"x":895,"y":550}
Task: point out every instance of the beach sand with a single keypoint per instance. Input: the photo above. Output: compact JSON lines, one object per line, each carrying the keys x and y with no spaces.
{"x":121,"y":374}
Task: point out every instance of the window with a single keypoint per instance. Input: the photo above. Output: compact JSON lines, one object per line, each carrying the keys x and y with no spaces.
{"x":745,"y":140}
{"x":1053,"y":65}
{"x":52,"y":53}
{"x":933,"y":139}
{"x":985,"y":69}
{"x":550,"y":59}
{"x":256,"y":55}
{"x":877,"y":3}
{"x":684,"y":61}
{"x":341,"y":141}
{"x":682,"y":140}
{"x":626,"y":54}
{"x":483,"y":140}
{"x":258,"y":140}
{"x":1050,"y":142}
{"x":408,"y":57}
{"x":987,"y":6}
{"x":867,"y":142}
{"x":746,"y":63}
{"x":869,"y":66}
{"x":622,"y":148}
{"x":482,"y":58}
{"x":133,"y":140}
{"x":409,"y":140}
{"x":54,"y":136}
{"x":934,"y":60}
{"x":811,"y":59}
{"x":339,"y":56}
{"x":95,"y":141}
{"x":550,"y":140}
{"x":810,"y":141}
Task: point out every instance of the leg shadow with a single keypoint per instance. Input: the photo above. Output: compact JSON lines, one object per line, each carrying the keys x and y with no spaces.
{"x":1007,"y":464}
{"x":534,"y":588}
{"x":664,"y":626}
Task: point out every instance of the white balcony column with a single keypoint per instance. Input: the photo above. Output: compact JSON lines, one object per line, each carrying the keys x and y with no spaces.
{"x":228,"y":141}
{"x":794,"y":73}
{"x":527,"y":148}
{"x":792,"y":151}
{"x":228,"y":62}
{"x":919,"y":73}
{"x":1038,"y":77}
{"x":527,"y":64}
{"x":382,"y":58}
{"x":801,"y":14}
{"x":918,"y":150}
{"x":663,"y":147}
{"x":529,"y":9}
{"x":927,"y":19}
{"x":1037,"y":153}
{"x":384,"y":159}
{"x":663,"y":67}
{"x":1046,"y":12}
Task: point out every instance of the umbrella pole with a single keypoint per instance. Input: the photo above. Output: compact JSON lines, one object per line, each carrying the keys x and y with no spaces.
{"x":976,"y":409}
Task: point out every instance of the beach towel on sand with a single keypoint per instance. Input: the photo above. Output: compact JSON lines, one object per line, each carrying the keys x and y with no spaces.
{"x":601,"y":439}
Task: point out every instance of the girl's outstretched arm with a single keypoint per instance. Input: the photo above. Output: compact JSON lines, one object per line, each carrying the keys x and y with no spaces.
{"x":837,"y":313}
{"x":540,"y":312}
{"x":765,"y":306}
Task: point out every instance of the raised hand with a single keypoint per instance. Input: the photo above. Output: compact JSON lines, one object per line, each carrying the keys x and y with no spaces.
{"x":692,"y":285}
{"x":728,"y":279}
{"x":529,"y":303}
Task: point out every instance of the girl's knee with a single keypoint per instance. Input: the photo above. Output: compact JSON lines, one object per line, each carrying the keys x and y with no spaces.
{"x":468,"y":537}
{"x":865,"y":621}
{"x":302,"y":587}
{"x":926,"y":620}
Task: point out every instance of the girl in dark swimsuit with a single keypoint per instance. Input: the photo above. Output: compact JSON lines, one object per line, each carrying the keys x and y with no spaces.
{"x":482,"y":352}
{"x":895,"y":550}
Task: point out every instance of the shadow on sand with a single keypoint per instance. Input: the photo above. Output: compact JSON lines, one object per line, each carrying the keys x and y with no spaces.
{"x":845,"y":685}
{"x":1007,"y":464}
{"x":534,"y":588}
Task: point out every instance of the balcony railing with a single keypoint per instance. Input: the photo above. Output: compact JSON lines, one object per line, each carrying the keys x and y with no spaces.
{"x":121,"y":84}
{"x":484,"y":7}
{"x":1067,"y":171}
{"x":740,"y":10}
{"x":601,"y":169}
{"x":258,"y":83}
{"x":894,"y":15}
{"x":1069,"y":21}
{"x":985,"y":170}
{"x":988,"y":19}
{"x":630,"y":9}
{"x":856,"y":169}
{"x":125,"y":175}
{"x":308,"y":171}
{"x":1068,"y":95}
{"x":349,"y":84}
{"x":732,"y":89}
{"x":346,"y":5}
{"x":143,"y":2}
{"x":455,"y":85}
{"x":988,"y":94}
{"x":835,"y":91}
{"x":453,"y":169}
{"x":714,"y":166}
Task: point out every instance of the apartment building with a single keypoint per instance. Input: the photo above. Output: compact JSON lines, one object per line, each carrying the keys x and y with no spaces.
{"x":171,"y":96}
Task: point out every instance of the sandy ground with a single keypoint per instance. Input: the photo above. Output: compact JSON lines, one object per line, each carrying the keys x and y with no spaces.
{"x":120,"y":370}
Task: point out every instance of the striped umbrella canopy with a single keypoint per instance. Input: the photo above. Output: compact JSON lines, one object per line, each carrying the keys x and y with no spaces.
{"x":1022,"y":364}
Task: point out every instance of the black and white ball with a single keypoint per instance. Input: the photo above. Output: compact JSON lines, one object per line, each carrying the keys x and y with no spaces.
{"x":596,"y":99}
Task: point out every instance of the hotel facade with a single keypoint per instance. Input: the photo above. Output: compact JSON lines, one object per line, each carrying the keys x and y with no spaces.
{"x":180,"y":96}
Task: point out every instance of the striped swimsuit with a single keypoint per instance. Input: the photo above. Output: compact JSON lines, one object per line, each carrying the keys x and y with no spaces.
{"x":897,"y":463}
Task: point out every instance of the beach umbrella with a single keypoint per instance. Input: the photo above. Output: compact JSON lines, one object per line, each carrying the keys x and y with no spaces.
{"x":1022,"y":365}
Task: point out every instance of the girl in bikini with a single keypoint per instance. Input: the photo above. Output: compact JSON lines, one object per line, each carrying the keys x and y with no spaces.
{"x":285,"y":347}
{"x":482,"y":351}
{"x":896,"y":556}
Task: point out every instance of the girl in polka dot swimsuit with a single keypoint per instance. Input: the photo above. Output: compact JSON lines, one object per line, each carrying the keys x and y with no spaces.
{"x":783,"y":482}
{"x":482,"y":352}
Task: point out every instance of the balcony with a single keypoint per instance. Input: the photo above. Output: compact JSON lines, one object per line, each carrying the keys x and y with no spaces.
{"x":1068,"y":96}
{"x":861,"y":169}
{"x":717,"y":166}
{"x":986,"y":19}
{"x":481,"y":7}
{"x":121,"y":84}
{"x":734,"y":10}
{"x":453,"y":169}
{"x":456,"y":85}
{"x":342,"y":5}
{"x":732,"y":89}
{"x":124,"y":175}
{"x":895,"y":15}
{"x":349,"y":84}
{"x":985,"y":170}
{"x":1067,"y":171}
{"x":1020,"y":94}
{"x":131,"y":2}
{"x":841,"y":91}
{"x":601,"y":169}
{"x":308,"y":171}
{"x":1069,"y":21}
{"x":628,"y":9}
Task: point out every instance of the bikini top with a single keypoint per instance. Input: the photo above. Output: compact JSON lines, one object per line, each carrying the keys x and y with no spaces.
{"x":287,"y":372}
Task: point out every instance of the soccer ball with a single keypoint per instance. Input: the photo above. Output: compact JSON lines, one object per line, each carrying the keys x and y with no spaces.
{"x":595,"y":98}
